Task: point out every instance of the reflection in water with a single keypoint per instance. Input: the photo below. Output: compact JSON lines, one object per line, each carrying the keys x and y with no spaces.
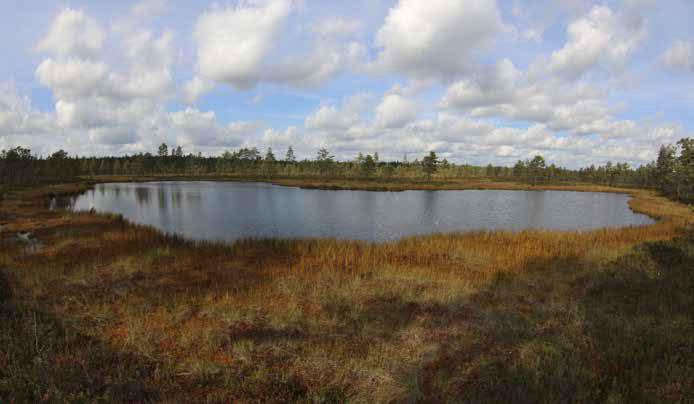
{"x":176,"y":198}
{"x":143,"y":195}
{"x":161,"y":199}
{"x":536,"y":205}
{"x":230,"y":211}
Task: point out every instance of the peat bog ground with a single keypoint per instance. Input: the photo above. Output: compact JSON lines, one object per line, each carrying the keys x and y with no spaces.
{"x":93,"y":308}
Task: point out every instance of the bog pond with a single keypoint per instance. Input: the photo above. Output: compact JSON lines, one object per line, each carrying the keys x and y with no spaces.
{"x":227,"y":211}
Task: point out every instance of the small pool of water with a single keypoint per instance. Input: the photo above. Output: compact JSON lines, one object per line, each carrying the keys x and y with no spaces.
{"x":228,"y":211}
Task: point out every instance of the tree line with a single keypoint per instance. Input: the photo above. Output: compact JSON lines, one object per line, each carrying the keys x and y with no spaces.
{"x":672,"y":173}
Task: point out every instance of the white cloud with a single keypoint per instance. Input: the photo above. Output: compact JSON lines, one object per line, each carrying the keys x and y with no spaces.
{"x":466,"y":139}
{"x":481,"y":138}
{"x":113,"y":88}
{"x":242,"y":128}
{"x":330,"y":117}
{"x":233,"y":42}
{"x":600,"y":37}
{"x":104,"y":111}
{"x":680,"y":55}
{"x":18,"y":116}
{"x":150,"y":59}
{"x":195,"y":88}
{"x":73,"y":78}
{"x":504,"y":91}
{"x":195,"y":127}
{"x":287,"y":137}
{"x":495,"y":87}
{"x":241,"y":46}
{"x":148,"y":74}
{"x":436,"y":37}
{"x":73,"y":33}
{"x":395,"y":111}
{"x":96,"y":102}
{"x":192,"y":127}
{"x":113,"y":135}
{"x":327,"y":60}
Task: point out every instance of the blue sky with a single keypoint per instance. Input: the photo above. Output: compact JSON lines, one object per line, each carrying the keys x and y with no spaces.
{"x":478,"y":81}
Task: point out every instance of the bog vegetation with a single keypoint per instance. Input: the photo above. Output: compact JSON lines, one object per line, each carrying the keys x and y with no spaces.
{"x":93,"y":308}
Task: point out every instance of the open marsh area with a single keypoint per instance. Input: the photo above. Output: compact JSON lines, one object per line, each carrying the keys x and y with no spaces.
{"x":94,"y":308}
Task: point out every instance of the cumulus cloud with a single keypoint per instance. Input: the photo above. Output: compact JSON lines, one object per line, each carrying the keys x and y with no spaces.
{"x":478,"y":141}
{"x":193,"y":127}
{"x":102,"y":104}
{"x":680,"y":55}
{"x":395,"y":111}
{"x":239,"y":46}
{"x":114,"y":83}
{"x":599,"y":37}
{"x":549,"y":93}
{"x":481,"y":124}
{"x":107,"y":103}
{"x":71,"y":78}
{"x":150,"y":59}
{"x":73,"y":33}
{"x":437,"y":37}
{"x":18,"y":116}
{"x":490,"y":88}
{"x":327,"y":60}
{"x":113,"y":135}
{"x":287,"y":137}
{"x":195,"y":88}
{"x":461,"y":137}
{"x":331,"y":117}
{"x":104,"y":111}
{"x":505,"y":91}
{"x":118,"y":103}
{"x":233,"y":42}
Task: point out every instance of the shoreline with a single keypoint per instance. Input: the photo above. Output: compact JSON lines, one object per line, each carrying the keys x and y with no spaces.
{"x":630,"y":196}
{"x":647,"y":202}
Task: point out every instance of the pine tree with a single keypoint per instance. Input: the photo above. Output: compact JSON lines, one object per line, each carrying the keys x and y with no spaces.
{"x":290,"y":157}
{"x":368,"y":165}
{"x":430,"y":164}
{"x":163,"y":150}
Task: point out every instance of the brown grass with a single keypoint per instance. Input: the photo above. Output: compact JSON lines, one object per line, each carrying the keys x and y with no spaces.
{"x":473,"y":316}
{"x":394,"y":184}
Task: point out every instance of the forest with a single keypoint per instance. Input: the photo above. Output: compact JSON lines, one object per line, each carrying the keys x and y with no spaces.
{"x":672,"y":172}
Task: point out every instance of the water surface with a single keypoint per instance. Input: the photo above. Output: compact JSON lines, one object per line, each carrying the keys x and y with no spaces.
{"x":227,"y":211}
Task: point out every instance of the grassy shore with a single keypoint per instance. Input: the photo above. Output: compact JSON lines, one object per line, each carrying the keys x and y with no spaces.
{"x":371,"y":184}
{"x":97,"y":309}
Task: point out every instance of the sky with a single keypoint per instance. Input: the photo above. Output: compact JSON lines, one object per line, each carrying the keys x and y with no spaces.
{"x":478,"y":81}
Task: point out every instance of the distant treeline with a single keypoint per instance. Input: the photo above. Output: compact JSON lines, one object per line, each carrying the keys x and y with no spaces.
{"x":672,"y":172}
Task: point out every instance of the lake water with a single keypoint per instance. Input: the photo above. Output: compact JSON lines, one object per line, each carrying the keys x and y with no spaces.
{"x":227,"y":211}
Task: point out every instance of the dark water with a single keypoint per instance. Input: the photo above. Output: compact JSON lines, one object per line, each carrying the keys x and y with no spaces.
{"x":231,"y":210}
